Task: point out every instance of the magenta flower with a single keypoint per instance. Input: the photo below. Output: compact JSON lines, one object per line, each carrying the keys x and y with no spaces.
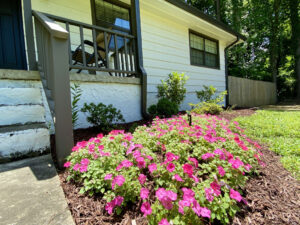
{"x":167,"y":203}
{"x":67,"y":164}
{"x":235,"y":195}
{"x":182,"y":204}
{"x":170,"y":157}
{"x":209,"y":194}
{"x":75,"y":148}
{"x":146,"y":208}
{"x":220,"y":153}
{"x":152,"y":167}
{"x":194,"y":160}
{"x":108,"y":176}
{"x":144,"y":193}
{"x":164,"y":222}
{"x":142,"y":178}
{"x":236,"y":163}
{"x":216,"y":188}
{"x":188,"y":194}
{"x":188,"y":169}
{"x":248,"y":167}
{"x":221,"y":171}
{"x":160,"y":193}
{"x":207,"y":156}
{"x":76,"y":167}
{"x":178,"y":178}
{"x":205,"y":212}
{"x":141,"y":162}
{"x":119,"y":180}
{"x":91,"y":148}
{"x":83,"y":168}
{"x":111,"y":205}
{"x":136,"y":153}
{"x":171,"y":167}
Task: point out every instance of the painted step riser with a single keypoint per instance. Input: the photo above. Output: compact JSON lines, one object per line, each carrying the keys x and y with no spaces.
{"x":22,"y":114}
{"x":24,"y":142}
{"x":20,"y":96}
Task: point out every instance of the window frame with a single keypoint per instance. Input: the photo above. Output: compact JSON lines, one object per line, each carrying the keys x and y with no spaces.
{"x":108,"y":25}
{"x":204,"y":52}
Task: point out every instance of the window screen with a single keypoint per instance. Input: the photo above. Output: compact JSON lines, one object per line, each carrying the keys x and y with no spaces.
{"x":204,"y":52}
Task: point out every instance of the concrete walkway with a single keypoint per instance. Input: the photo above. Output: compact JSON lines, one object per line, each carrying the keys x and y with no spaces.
{"x":30,"y":194}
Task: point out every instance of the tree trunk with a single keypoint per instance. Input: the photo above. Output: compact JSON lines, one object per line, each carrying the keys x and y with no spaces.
{"x":295,"y":24}
{"x":274,"y":56}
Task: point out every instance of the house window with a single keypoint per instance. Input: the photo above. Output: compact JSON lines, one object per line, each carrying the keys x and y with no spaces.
{"x":204,"y":51}
{"x":111,"y":14}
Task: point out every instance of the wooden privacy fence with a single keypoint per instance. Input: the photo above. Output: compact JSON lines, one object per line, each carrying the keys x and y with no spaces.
{"x":249,"y":93}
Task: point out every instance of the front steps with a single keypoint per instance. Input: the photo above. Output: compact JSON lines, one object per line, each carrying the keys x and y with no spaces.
{"x":23,"y":129}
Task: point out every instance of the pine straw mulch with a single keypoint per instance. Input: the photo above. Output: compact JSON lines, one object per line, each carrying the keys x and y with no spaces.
{"x":273,"y":196}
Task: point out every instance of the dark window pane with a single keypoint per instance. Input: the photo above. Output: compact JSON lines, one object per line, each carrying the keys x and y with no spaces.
{"x":210,"y":60}
{"x":197,"y":57}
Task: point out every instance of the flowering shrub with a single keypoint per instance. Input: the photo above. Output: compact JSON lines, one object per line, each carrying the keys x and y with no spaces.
{"x":176,"y":173}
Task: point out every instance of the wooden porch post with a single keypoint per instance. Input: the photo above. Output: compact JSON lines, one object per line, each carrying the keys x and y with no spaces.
{"x":29,"y":35}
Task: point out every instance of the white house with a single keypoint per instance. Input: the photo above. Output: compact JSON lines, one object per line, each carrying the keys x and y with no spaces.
{"x":117,"y":51}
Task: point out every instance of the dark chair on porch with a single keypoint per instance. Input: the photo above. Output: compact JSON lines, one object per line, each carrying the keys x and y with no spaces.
{"x":90,"y":58}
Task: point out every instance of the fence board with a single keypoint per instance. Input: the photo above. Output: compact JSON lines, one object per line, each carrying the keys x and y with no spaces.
{"x":250,"y":93}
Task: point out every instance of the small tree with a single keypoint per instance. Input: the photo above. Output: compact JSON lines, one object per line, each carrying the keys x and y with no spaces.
{"x":173,"y":88}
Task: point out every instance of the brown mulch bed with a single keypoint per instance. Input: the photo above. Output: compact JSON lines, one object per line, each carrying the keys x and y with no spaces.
{"x":273,"y":196}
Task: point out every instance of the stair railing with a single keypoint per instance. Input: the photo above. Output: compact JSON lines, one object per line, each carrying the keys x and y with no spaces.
{"x":53,"y":63}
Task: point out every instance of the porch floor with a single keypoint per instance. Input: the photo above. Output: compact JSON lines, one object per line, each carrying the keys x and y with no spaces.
{"x":30,"y":193}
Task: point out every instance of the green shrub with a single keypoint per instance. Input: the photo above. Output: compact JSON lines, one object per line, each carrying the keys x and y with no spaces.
{"x":173,"y":88}
{"x":206,"y":108}
{"x":76,"y":94}
{"x":102,"y":116}
{"x":166,"y":108}
{"x":208,"y":104}
{"x":152,"y":110}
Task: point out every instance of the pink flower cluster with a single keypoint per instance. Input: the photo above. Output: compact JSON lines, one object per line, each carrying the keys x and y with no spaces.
{"x":111,"y":205}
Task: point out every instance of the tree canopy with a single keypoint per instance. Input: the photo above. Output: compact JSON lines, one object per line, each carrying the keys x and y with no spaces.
{"x":272,"y":49}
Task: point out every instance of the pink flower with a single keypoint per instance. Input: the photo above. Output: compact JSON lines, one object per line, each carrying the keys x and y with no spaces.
{"x":91,"y":148}
{"x":142,"y":179}
{"x":144,"y":193}
{"x":160,"y":193}
{"x":111,"y":205}
{"x":207,"y":156}
{"x":124,"y":163}
{"x":196,"y":208}
{"x":188,"y":194}
{"x":85,"y":162}
{"x":67,"y":164}
{"x":136,"y":153}
{"x":167,"y":203}
{"x":171,"y":167}
{"x":164,"y":222}
{"x":170,"y":157}
{"x":100,"y":147}
{"x":152,"y":167}
{"x":188,"y":169}
{"x":194,"y":160}
{"x":236,"y":163}
{"x":220,"y":153}
{"x":100,"y":136}
{"x":119,"y":180}
{"x":209,"y":194}
{"x":221,"y":171}
{"x":235,"y":195}
{"x":146,"y":208}
{"x":178,"y":178}
{"x":248,"y":167}
{"x":108,"y":176}
{"x":182,"y":204}
{"x":75,"y":148}
{"x":216,"y":188}
{"x":76,"y":167}
{"x":141,"y":162}
{"x":205,"y":212}
{"x":83,"y":168}
{"x":149,"y":157}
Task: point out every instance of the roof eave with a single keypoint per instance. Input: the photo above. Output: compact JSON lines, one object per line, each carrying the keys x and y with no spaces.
{"x":196,"y":12}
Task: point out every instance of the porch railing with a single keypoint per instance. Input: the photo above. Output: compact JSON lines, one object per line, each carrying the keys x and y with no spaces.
{"x":52,"y":48}
{"x":93,"y":48}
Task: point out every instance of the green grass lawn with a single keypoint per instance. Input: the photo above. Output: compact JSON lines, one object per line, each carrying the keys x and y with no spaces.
{"x":281,"y":131}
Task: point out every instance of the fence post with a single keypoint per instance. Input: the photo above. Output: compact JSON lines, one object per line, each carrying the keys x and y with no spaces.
{"x":62,"y":98}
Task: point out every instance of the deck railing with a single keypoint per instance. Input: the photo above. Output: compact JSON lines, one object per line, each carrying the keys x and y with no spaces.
{"x":52,"y":48}
{"x":93,"y":48}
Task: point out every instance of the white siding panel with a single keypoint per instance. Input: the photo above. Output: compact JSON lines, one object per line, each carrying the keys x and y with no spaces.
{"x":166,"y":49}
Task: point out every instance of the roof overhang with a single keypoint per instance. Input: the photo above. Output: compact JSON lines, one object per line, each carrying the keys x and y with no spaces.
{"x":196,"y":12}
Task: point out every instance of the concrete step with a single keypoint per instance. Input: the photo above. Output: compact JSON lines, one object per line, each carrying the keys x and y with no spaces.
{"x":19,"y":74}
{"x":15,"y":144}
{"x":20,"y":96}
{"x":21,"y":114}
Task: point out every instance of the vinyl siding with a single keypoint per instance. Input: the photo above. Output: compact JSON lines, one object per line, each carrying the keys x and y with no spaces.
{"x":166,"y":48}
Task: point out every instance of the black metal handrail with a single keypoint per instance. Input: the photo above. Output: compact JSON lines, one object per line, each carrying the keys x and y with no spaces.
{"x":117,"y":55}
